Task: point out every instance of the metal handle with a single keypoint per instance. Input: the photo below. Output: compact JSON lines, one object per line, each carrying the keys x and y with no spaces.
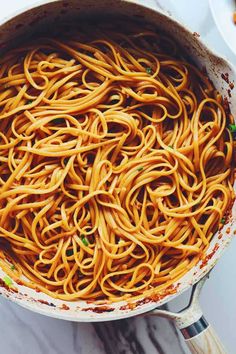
{"x":198,"y":334}
{"x":195,"y":328}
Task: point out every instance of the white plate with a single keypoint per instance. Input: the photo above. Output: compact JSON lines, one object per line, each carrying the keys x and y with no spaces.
{"x":222,"y":11}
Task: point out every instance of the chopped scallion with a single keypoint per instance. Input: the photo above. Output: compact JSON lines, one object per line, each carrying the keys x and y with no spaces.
{"x":66,"y":160}
{"x":121,"y":241}
{"x":58,"y":120}
{"x":232,"y":128}
{"x":149,"y":71}
{"x":7,"y":281}
{"x":140,"y":168}
{"x":85,"y":241}
{"x":69,"y":253}
{"x":222,"y":221}
{"x":115,"y":101}
{"x":13,"y":267}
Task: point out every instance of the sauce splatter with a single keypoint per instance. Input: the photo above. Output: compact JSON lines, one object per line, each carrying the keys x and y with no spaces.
{"x":209,"y":256}
{"x":226,"y":105}
{"x":172,"y":289}
{"x":64,"y":307}
{"x":196,"y":35}
{"x":225,"y":77}
{"x":100,"y":309}
{"x":46,"y":303}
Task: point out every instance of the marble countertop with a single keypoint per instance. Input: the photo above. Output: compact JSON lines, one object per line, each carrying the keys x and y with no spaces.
{"x":24,"y":332}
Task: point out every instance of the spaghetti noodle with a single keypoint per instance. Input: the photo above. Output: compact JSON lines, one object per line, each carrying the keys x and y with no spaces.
{"x":115,"y":164}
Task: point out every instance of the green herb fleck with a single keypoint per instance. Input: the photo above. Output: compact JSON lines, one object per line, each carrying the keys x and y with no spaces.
{"x":149,"y":71}
{"x":121,"y":241}
{"x":85,"y":241}
{"x":58,"y":120}
{"x":171,"y":147}
{"x":222,"y":221}
{"x":232,"y":128}
{"x":13,"y":267}
{"x":66,"y":160}
{"x":7,"y":281}
{"x":69,"y":253}
{"x":29,"y":102}
{"x":140,"y":168}
{"x":115,"y":101}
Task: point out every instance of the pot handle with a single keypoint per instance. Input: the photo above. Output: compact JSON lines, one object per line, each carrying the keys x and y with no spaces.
{"x":201,"y":338}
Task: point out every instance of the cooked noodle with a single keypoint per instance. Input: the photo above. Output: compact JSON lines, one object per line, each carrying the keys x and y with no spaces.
{"x":115,"y":164}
